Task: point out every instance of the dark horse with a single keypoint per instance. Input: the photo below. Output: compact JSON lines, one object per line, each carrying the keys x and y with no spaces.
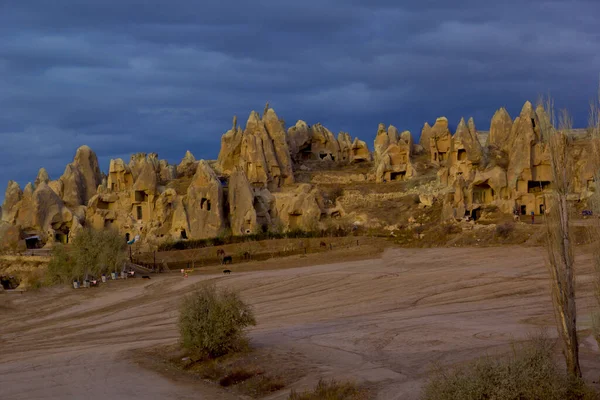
{"x":226,"y":259}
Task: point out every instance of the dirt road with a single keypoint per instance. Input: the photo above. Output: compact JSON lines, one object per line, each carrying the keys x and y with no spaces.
{"x":381,"y":321}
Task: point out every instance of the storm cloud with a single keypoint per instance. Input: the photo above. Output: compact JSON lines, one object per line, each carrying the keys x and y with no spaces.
{"x":125,"y":76}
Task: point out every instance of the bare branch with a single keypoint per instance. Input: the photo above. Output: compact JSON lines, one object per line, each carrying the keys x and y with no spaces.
{"x":561,"y":261}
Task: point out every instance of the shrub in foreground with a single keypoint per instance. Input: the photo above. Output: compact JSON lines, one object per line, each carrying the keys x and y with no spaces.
{"x":331,"y":390}
{"x":212,"y":322}
{"x":528,"y":374}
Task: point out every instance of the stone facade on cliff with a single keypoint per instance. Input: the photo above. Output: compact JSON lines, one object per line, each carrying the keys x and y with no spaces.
{"x":513,"y":171}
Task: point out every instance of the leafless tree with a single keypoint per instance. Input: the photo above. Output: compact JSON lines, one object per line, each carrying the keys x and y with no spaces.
{"x":561,"y":262}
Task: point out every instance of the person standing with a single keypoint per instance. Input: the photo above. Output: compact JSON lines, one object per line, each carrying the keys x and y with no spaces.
{"x":532,"y":217}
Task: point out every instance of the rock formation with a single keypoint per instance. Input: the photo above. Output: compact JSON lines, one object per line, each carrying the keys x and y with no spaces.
{"x":42,"y":177}
{"x":515,"y":174}
{"x":393,"y":153}
{"x":439,"y":141}
{"x":81,"y":178}
{"x":119,"y":176}
{"x":425,"y":139}
{"x":500,"y":129}
{"x":317,"y":143}
{"x":242,"y":214}
{"x":345,"y":142}
{"x":38,"y":210}
{"x":359,"y":151}
{"x":300,"y":208}
{"x":187,"y":166}
{"x":167,"y":172}
{"x":277,"y":136}
{"x":12,"y":197}
{"x":465,"y":145}
{"x":382,"y":142}
{"x":261,"y":150}
{"x":300,"y":142}
{"x":204,"y":203}
{"x":10,"y":236}
{"x":231,"y":144}
{"x":252,"y":188}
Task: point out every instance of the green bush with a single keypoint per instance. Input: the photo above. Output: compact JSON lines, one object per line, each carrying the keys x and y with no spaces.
{"x":212,"y":322}
{"x":113,"y":251}
{"x":529,"y":373}
{"x":61,"y":267}
{"x":331,"y":390}
{"x":92,"y":252}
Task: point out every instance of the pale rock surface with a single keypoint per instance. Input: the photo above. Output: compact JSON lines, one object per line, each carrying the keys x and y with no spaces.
{"x":38,"y":210}
{"x":382,"y":142}
{"x":346,"y":147}
{"x":298,"y":209}
{"x":256,"y":128}
{"x":73,"y":182}
{"x":394,"y":161}
{"x":87,"y":163}
{"x":12,"y":197}
{"x":465,"y":146}
{"x":166,"y":172}
{"x":242,"y":215}
{"x":10,"y":238}
{"x":57,"y":187}
{"x":147,"y":179}
{"x":426,"y":199}
{"x":187,"y":166}
{"x":42,"y":177}
{"x":231,"y":145}
{"x":500,"y":129}
{"x":359,"y":151}
{"x":440,"y":141}
{"x":324,"y":143}
{"x":521,"y":140}
{"x":81,"y":178}
{"x":277,"y":135}
{"x":253,"y":161}
{"x":204,"y":203}
{"x":425,"y":139}
{"x":119,"y":176}
{"x":299,"y":140}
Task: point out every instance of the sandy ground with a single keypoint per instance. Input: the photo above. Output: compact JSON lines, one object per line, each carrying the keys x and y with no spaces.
{"x":382,"y":321}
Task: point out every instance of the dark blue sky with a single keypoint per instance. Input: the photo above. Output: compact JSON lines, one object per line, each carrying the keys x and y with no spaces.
{"x":126,"y":76}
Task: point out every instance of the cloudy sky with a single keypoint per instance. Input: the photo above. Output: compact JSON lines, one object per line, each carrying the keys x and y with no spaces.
{"x":126,"y":76}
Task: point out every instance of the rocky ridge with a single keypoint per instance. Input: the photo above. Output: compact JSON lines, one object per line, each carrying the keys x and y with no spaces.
{"x":252,"y":186}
